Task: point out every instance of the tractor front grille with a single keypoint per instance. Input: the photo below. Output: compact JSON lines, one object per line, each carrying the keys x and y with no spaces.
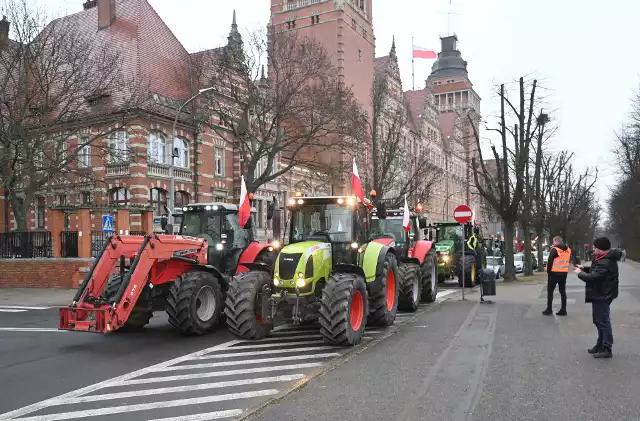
{"x":287,"y":264}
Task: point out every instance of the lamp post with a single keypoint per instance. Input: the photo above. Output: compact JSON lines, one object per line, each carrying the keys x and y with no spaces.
{"x":446,"y":202}
{"x":172,"y":183}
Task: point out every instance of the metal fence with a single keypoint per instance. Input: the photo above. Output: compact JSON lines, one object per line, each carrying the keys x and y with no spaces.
{"x":142,"y":233}
{"x":98,"y":240}
{"x":26,"y":245}
{"x":69,"y":244}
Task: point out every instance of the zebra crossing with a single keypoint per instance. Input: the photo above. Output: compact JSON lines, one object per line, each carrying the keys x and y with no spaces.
{"x":220,"y":382}
{"x":19,"y":309}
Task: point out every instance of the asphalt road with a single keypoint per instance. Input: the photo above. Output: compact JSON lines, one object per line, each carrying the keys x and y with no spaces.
{"x":501,"y":361}
{"x":154,"y":374}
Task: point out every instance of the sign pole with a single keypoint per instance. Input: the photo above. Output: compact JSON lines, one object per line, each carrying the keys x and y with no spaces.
{"x":463,"y":214}
{"x":464,"y":240}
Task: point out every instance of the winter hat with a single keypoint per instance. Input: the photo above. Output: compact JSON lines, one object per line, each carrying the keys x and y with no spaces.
{"x":602,"y":243}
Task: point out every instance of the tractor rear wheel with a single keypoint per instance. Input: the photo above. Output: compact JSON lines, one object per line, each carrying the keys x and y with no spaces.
{"x":343,"y":309}
{"x":468,"y":264}
{"x":410,"y":287}
{"x":244,"y":305}
{"x":194,"y":303}
{"x":429,"y":279}
{"x":140,"y":316}
{"x":383,"y":304}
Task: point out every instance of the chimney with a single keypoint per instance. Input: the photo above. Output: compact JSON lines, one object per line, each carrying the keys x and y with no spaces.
{"x":89,"y":4}
{"x":106,"y":13}
{"x":4,"y":30}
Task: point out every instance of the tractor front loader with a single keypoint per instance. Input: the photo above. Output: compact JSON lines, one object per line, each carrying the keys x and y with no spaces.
{"x":417,"y":266}
{"x":329,"y":272}
{"x":186,"y":275}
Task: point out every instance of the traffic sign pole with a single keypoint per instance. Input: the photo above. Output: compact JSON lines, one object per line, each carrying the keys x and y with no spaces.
{"x":463,"y":214}
{"x":464,"y":240}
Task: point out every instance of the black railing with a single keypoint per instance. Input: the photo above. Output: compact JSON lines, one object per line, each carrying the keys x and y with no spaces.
{"x":26,"y":245}
{"x":98,"y":240}
{"x":69,"y":244}
{"x":142,"y":233}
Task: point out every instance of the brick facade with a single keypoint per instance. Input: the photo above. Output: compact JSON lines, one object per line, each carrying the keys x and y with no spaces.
{"x":43,"y":273}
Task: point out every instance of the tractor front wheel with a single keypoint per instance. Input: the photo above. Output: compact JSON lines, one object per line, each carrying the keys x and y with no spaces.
{"x":343,"y":309}
{"x":140,"y":316}
{"x":195,"y":303}
{"x":410,"y":287}
{"x":383,"y":304}
{"x":244,"y":305}
{"x":429,"y":277}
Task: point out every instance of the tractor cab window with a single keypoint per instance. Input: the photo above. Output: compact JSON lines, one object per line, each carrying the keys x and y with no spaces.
{"x":236,"y":236}
{"x":453,"y":232}
{"x":331,"y":220}
{"x":388,"y":228}
{"x":202,"y":224}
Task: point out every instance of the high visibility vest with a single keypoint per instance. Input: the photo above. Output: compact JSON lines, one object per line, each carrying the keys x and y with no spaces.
{"x":472,"y":242}
{"x":561,"y":263}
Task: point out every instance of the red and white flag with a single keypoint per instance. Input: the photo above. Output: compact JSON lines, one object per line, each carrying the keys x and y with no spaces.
{"x":406,"y":222}
{"x":422,"y":52}
{"x":244,"y":209}
{"x":356,"y":184}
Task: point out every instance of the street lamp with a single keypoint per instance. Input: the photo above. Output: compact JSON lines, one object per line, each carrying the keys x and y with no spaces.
{"x":446,"y":201}
{"x":172,"y":183}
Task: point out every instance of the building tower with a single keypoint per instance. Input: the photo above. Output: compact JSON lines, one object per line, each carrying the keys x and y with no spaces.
{"x":456,"y":99}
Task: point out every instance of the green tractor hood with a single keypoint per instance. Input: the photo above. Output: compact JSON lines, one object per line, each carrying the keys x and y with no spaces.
{"x":445,"y":245}
{"x":306,"y":260}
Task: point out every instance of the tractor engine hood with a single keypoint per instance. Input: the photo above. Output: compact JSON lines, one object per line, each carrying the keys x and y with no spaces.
{"x":444,"y":245}
{"x":294,"y":259}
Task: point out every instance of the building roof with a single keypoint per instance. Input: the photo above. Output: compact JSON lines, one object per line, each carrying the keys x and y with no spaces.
{"x":416,"y":102}
{"x":450,"y":62}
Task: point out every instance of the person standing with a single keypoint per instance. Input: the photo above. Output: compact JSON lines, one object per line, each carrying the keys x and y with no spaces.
{"x":601,"y":288}
{"x":557,"y":270}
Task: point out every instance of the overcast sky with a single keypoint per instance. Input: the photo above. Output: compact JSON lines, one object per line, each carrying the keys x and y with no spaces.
{"x":583,"y":51}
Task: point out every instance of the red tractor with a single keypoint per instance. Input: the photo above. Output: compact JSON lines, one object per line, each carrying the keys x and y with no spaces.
{"x":417,"y":265}
{"x":186,"y":275}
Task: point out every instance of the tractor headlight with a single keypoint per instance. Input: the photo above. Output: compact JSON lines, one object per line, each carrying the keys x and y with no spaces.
{"x":445,"y":258}
{"x":275,"y":244}
{"x":208,"y":207}
{"x":219,"y":246}
{"x":354,"y":245}
{"x":276,"y":282}
{"x":300,"y":275}
{"x":300,"y":283}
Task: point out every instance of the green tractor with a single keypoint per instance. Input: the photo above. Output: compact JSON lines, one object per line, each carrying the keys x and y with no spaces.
{"x":448,"y":236}
{"x":417,"y":271}
{"x":329,"y":272}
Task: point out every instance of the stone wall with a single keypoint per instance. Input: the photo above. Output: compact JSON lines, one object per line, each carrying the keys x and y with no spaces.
{"x":43,"y":273}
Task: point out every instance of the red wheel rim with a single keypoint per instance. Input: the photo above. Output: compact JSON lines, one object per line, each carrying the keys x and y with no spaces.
{"x":357,"y":310}
{"x":391,"y":289}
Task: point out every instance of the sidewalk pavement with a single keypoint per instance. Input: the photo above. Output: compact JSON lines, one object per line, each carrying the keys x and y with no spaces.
{"x":32,"y":297}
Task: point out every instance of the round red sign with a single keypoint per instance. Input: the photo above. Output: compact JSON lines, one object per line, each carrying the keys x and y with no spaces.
{"x":463,"y":214}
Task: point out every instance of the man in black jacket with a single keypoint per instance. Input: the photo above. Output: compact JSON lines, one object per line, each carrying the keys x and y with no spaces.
{"x":601,"y":288}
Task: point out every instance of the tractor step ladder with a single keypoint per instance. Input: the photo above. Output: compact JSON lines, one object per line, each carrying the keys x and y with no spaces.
{"x":89,"y":312}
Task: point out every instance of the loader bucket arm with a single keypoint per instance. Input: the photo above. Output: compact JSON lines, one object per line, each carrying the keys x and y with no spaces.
{"x":89,"y":312}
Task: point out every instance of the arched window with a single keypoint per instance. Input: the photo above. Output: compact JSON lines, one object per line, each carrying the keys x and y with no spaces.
{"x":118,"y":147}
{"x":157,"y":148}
{"x":118,"y":196}
{"x":158,"y":201}
{"x":181,"y":199}
{"x":181,"y":155}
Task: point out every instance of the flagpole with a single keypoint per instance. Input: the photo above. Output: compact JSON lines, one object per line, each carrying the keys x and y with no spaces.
{"x":413,"y":69}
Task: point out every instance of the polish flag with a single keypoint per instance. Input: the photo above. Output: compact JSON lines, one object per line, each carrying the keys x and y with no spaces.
{"x":406,"y":222}
{"x":356,"y":184}
{"x":422,"y":52}
{"x":244,"y":210}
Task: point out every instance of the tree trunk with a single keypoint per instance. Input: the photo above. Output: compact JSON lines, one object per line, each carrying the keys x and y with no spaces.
{"x":539,"y":233}
{"x":528,"y":261}
{"x":510,"y":273}
{"x":19,"y":213}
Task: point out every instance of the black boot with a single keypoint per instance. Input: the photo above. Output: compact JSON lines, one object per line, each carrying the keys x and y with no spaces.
{"x":596,"y":348}
{"x":603,"y":353}
{"x":562,"y":312}
{"x":548,"y":312}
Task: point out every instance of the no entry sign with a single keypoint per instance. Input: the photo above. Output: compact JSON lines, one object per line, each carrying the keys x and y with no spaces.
{"x":463,"y":214}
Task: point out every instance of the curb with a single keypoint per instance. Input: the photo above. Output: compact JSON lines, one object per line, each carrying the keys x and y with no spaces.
{"x":339,"y":361}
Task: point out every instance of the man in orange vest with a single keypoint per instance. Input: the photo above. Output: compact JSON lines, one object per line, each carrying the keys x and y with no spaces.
{"x":557,"y":270}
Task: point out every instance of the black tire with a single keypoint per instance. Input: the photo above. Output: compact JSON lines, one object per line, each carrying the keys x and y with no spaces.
{"x":267,"y":258}
{"x":429,"y":272}
{"x":380,"y":313}
{"x":244,"y":305}
{"x":340,"y":298}
{"x":441,"y":278}
{"x":139,"y":317}
{"x":182,"y":303}
{"x":410,"y":287}
{"x":466,"y":263}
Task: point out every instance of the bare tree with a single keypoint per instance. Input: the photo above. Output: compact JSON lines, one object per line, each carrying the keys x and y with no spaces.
{"x":503,"y":188}
{"x":55,"y":82}
{"x":400,"y":166}
{"x":297,"y":114}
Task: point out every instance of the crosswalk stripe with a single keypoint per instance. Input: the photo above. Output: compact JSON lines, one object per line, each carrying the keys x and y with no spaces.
{"x":149,"y":406}
{"x":204,"y":417}
{"x":216,"y":374}
{"x":30,"y":329}
{"x":178,"y":389}
{"x":23,"y":307}
{"x":257,"y":344}
{"x":273,"y":339}
{"x":11,"y":310}
{"x":242,"y":362}
{"x":263,"y":352}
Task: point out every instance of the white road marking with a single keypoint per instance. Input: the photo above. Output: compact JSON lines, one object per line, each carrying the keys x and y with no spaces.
{"x":215,"y":374}
{"x":444,"y":293}
{"x":30,"y":329}
{"x":24,"y":307}
{"x":179,"y":389}
{"x":204,"y":417}
{"x":11,"y":310}
{"x":149,"y":406}
{"x":257,"y":344}
{"x":265,"y":352}
{"x":273,"y":339}
{"x":242,"y":362}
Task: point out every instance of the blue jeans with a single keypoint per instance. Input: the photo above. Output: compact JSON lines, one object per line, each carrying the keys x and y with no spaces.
{"x":602,"y":320}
